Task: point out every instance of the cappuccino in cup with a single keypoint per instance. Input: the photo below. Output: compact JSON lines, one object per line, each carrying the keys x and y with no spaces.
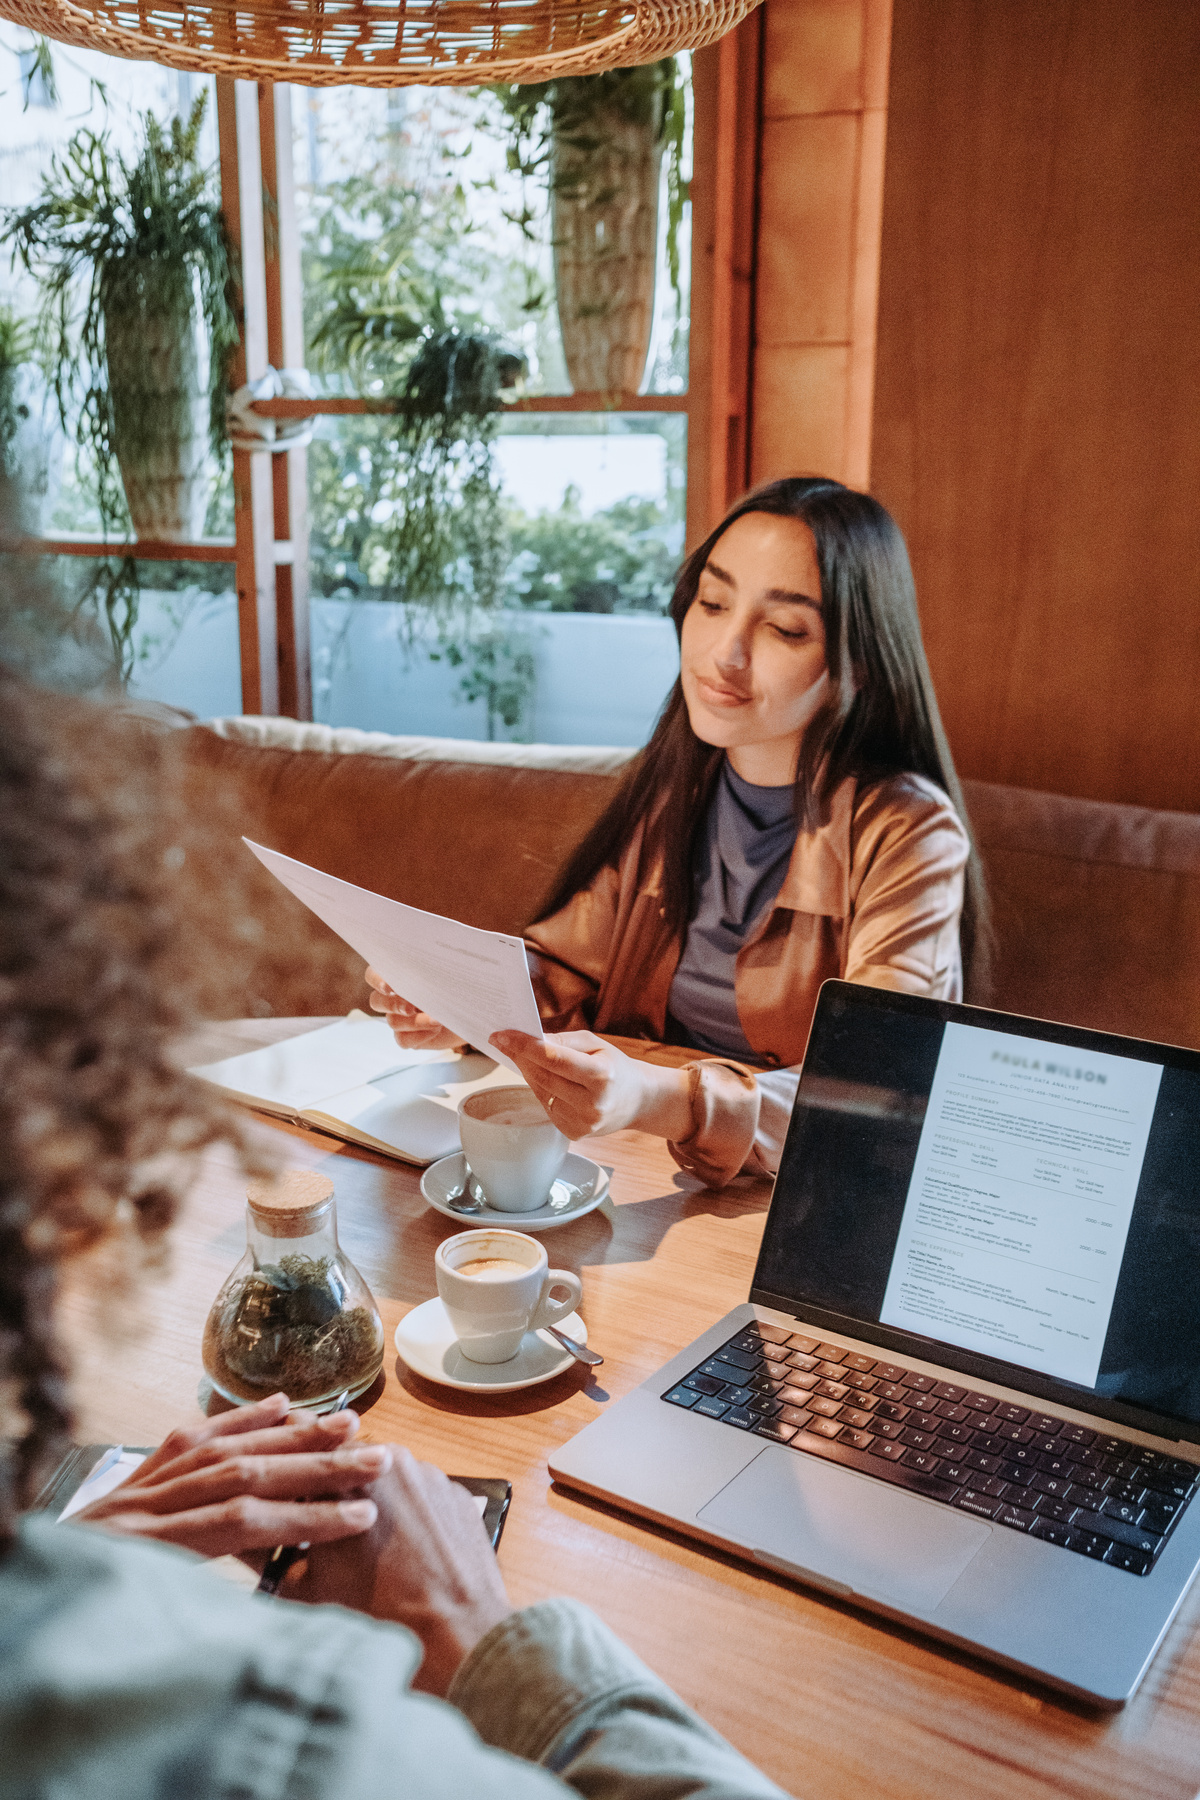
{"x":512,"y":1148}
{"x":495,"y":1286}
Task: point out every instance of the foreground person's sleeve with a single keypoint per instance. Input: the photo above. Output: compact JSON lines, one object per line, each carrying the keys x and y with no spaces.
{"x":554,"y":1685}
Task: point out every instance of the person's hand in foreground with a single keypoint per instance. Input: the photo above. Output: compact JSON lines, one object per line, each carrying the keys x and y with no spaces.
{"x":589,"y":1086}
{"x":247,"y":1480}
{"x":411,"y":1028}
{"x":427,"y":1563}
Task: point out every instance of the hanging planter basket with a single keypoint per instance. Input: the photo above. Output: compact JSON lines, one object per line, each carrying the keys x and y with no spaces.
{"x":154,"y":365}
{"x":604,"y":226}
{"x":430,"y":43}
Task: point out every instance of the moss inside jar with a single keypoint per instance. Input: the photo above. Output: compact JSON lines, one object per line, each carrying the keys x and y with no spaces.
{"x":295,"y":1315}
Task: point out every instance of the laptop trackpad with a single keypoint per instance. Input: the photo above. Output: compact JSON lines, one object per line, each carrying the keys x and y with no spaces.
{"x":850,"y":1533}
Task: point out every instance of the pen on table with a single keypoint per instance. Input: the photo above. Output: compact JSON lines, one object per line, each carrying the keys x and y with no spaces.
{"x":285,"y":1556}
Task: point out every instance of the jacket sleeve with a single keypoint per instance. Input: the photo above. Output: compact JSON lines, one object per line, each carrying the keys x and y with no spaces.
{"x":553,"y":1685}
{"x":906,"y":892}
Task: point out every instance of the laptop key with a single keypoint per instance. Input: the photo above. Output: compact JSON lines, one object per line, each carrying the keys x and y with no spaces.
{"x":860,"y":1440}
{"x":830,"y":1370}
{"x":892,"y":1390}
{"x":1012,"y":1415}
{"x":991,"y":1484}
{"x":886,"y":1428}
{"x":1016,"y":1434}
{"x":798,"y":1360}
{"x":1159,"y":1513}
{"x":919,"y":1440}
{"x":1050,"y":1532}
{"x":856,"y":1379}
{"x":805,"y":1344}
{"x":682,"y":1396}
{"x":981,"y":1403}
{"x":1054,"y":1485}
{"x":793,"y":1415}
{"x":1077,"y":1434}
{"x":1133,"y":1536}
{"x":742,"y":1417}
{"x":1126,"y":1510}
{"x":738,"y":1396}
{"x":890,"y":1452}
{"x":710,"y":1408}
{"x":1089,"y":1543}
{"x":773,"y":1334}
{"x":721,"y":1371}
{"x":920,"y":1384}
{"x":794,"y":1394}
{"x":981,"y":1504}
{"x":863,"y":1364}
{"x":1019,"y":1518}
{"x":741,"y":1359}
{"x":827,"y":1428}
{"x":771,"y":1428}
{"x":925,"y":1460}
{"x":765,"y":1405}
{"x":891,"y":1409}
{"x":1137,"y":1562}
{"x":958,"y":1472}
{"x":852,"y":1415}
{"x":704,"y":1384}
{"x":953,"y":1413}
{"x":829,"y":1409}
{"x":832,"y":1352}
{"x":987,"y":1465}
{"x":1058,"y":1510}
{"x":887,"y":1371}
{"x":945,"y":1390}
{"x":953,"y":1434}
{"x":832,"y":1390}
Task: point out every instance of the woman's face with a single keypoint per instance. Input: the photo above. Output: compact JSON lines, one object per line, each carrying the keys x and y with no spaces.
{"x":753,"y":645}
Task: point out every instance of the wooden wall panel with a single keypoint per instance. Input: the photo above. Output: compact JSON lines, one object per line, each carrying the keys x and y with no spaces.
{"x":820,"y":205}
{"x":1038,"y":381}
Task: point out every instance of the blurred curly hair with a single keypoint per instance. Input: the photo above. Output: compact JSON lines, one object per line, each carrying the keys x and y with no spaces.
{"x":105,"y":929}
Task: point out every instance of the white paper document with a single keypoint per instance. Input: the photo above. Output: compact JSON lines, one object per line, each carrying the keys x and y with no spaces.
{"x":1020,"y":1200}
{"x":474,"y":982}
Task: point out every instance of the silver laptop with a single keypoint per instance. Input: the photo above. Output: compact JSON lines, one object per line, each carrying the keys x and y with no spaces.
{"x":965,"y":1389}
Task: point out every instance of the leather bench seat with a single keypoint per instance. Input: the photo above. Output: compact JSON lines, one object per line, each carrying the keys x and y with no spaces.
{"x":1096,"y":906}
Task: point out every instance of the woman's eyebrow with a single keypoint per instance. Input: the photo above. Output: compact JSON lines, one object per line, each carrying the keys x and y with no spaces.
{"x":723,"y":575}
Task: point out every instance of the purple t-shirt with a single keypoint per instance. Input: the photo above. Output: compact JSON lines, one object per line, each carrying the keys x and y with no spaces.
{"x":742,"y":856}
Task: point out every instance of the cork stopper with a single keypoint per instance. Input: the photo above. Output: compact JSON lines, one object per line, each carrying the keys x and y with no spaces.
{"x":285,"y":1206}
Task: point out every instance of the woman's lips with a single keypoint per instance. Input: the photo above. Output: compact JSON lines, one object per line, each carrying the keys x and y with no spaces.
{"x":716,"y":695}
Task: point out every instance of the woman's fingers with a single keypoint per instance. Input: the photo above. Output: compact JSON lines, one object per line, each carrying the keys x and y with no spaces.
{"x":320,"y":1473}
{"x":249,"y":1522}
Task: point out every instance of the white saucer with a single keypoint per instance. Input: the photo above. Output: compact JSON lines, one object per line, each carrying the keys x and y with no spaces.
{"x":429,"y":1347}
{"x":579,"y":1189}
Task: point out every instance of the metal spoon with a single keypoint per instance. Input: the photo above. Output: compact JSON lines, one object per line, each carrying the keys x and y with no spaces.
{"x":455,"y":1198}
{"x":578,"y":1351}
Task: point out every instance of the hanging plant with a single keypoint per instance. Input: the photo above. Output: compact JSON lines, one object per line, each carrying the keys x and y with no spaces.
{"x":600,"y":142}
{"x":133,"y":263}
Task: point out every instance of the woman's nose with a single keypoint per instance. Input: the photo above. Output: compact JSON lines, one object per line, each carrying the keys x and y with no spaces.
{"x":733,"y":652}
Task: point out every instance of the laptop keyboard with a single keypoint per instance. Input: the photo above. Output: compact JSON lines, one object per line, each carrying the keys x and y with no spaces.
{"x":1097,"y":1495}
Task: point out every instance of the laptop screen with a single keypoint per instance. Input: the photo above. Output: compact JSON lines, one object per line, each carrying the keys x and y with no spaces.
{"x":1016,"y":1200}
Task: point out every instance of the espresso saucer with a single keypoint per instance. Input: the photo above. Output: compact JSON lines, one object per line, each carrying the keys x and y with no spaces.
{"x":430,"y":1348}
{"x":578,"y":1188}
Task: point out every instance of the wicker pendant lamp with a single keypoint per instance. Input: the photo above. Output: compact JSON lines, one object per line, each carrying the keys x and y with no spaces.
{"x":388,"y":43}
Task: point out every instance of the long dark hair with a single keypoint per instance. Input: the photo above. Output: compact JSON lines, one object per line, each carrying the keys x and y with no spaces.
{"x":881,"y":717}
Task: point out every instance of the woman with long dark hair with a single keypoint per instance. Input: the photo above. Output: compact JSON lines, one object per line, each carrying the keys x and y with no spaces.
{"x":795,"y":816}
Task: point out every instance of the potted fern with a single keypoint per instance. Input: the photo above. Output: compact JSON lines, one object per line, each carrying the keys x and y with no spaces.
{"x":602,"y":139}
{"x":133,"y":264}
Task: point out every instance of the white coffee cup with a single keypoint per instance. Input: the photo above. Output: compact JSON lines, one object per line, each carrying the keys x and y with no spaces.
{"x":513,"y":1149}
{"x":507,"y":1292}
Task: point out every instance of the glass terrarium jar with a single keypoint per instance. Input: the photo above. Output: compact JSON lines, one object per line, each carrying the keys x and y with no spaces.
{"x":295,"y":1315}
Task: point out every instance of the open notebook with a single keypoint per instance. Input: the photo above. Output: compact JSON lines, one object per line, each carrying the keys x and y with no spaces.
{"x":352,"y":1080}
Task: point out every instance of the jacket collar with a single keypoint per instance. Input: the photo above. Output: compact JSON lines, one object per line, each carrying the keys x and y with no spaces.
{"x":818,"y":875}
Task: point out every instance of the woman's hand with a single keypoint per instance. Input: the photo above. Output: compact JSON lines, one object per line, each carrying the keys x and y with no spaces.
{"x":246,"y":1481}
{"x":427,"y":1563}
{"x":411,"y":1028}
{"x":589,"y":1086}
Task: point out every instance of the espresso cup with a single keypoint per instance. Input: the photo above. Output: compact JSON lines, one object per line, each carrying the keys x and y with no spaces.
{"x":495,"y":1286}
{"x":513,"y":1149}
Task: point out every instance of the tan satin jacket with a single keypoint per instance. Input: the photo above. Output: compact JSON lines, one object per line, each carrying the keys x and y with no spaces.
{"x":874,"y":895}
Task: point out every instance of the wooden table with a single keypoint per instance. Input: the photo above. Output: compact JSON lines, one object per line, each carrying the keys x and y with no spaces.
{"x":830,"y":1702}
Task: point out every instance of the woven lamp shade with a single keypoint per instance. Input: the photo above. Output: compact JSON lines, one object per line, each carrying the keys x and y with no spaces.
{"x":427,"y":43}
